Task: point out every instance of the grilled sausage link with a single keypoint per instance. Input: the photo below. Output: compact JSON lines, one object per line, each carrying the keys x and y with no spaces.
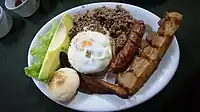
{"x":122,"y":59}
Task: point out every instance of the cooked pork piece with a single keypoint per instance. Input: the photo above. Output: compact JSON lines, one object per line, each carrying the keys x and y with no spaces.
{"x":137,"y":73}
{"x":139,"y":27}
{"x":98,"y":86}
{"x":169,"y":24}
{"x":120,"y":62}
{"x":151,"y":52}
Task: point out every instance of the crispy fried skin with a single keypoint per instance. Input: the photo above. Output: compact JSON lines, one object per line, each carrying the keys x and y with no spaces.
{"x":151,"y":52}
{"x":98,"y":86}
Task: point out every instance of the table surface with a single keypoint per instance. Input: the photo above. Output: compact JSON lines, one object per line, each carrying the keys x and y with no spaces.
{"x":19,"y":93}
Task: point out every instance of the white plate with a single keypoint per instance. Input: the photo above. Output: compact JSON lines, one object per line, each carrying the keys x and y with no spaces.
{"x":155,"y":84}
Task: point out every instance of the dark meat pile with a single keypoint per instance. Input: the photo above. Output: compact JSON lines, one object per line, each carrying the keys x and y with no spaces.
{"x":117,"y":21}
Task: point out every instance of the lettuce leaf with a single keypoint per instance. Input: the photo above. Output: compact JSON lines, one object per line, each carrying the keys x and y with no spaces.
{"x":39,"y":52}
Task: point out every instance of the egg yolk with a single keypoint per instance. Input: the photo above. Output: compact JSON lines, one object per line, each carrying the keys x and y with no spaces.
{"x":85,"y":43}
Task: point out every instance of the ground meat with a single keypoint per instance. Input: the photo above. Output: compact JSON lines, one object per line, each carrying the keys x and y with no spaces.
{"x":121,"y":40}
{"x":117,"y":21}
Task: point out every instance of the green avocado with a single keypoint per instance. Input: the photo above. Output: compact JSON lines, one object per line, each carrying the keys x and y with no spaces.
{"x":59,"y":42}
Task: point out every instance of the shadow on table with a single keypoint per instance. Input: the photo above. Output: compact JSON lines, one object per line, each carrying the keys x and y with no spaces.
{"x":47,"y":5}
{"x":145,"y":3}
{"x":141,"y":3}
{"x":18,"y":26}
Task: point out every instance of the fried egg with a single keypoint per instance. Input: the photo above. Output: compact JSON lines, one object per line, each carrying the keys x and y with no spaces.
{"x":90,"y":52}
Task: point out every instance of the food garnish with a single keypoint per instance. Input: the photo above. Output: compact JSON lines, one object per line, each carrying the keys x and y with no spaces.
{"x":39,"y":52}
{"x":47,"y":53}
{"x":60,"y":42}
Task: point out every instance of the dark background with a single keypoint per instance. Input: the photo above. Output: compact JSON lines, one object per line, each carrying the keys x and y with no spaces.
{"x":19,"y":93}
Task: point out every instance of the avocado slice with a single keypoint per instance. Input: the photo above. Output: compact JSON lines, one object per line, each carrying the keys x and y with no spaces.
{"x":60,"y":42}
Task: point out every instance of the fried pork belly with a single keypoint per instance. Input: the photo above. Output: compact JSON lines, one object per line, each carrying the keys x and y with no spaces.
{"x":151,"y":52}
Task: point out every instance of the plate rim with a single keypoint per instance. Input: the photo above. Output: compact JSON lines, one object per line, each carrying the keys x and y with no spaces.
{"x":100,"y":3}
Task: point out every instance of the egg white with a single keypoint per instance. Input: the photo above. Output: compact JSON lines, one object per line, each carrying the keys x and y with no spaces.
{"x":100,"y":52}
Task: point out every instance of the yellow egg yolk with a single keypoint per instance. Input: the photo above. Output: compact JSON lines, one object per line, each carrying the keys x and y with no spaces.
{"x":85,"y":43}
